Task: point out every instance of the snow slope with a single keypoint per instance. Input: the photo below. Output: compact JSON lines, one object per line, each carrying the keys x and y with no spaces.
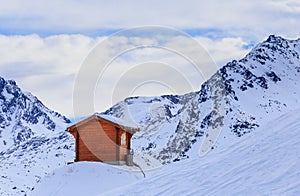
{"x":89,"y":176}
{"x":263,"y":162}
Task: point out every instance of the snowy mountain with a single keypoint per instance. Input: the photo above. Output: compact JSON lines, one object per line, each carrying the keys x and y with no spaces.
{"x":257,"y":151}
{"x":258,"y":88}
{"x":248,"y":101}
{"x":265,"y":162}
{"x":32,"y":140}
{"x":23,"y":116}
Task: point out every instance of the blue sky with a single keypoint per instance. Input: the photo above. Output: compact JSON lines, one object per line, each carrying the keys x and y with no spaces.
{"x":43,"y":43}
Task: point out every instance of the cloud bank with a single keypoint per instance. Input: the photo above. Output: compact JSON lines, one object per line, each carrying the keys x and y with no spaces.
{"x":254,"y":19}
{"x":48,"y":66}
{"x":43,"y":43}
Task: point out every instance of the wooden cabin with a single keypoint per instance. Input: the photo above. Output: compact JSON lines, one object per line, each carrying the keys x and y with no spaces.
{"x":102,"y":138}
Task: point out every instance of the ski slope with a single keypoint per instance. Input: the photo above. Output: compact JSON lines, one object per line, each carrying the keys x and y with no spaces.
{"x":264,"y":162}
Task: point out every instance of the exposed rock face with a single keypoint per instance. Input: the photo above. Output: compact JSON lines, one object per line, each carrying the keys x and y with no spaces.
{"x":257,"y":88}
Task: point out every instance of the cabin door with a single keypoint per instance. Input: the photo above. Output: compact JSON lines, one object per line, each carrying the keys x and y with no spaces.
{"x":123,"y":140}
{"x":122,"y":145}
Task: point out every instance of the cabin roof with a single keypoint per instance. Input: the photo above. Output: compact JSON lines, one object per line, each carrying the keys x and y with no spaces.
{"x":126,"y":125}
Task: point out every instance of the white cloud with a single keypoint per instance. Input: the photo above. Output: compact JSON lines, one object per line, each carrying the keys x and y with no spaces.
{"x":224,"y":49}
{"x":292,"y":6}
{"x":242,"y":18}
{"x":46,"y":64}
{"x":47,"y":67}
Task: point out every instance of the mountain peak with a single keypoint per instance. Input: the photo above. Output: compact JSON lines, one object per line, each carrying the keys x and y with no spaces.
{"x":275,"y":39}
{"x":21,"y":113}
{"x":253,"y":88}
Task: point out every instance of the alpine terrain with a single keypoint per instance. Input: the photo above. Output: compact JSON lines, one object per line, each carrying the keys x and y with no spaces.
{"x":32,"y":140}
{"x":239,"y":134}
{"x":253,"y":91}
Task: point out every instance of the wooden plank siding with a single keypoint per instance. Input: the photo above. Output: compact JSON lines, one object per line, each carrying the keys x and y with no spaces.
{"x":98,"y":139}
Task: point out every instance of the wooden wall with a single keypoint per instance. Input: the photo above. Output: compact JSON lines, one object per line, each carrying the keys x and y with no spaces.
{"x":99,"y":140}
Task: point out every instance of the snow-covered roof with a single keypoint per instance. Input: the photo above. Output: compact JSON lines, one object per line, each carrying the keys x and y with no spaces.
{"x":128,"y":125}
{"x":119,"y":121}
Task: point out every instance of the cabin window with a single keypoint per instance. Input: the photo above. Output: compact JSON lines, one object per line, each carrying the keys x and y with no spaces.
{"x":123,"y":139}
